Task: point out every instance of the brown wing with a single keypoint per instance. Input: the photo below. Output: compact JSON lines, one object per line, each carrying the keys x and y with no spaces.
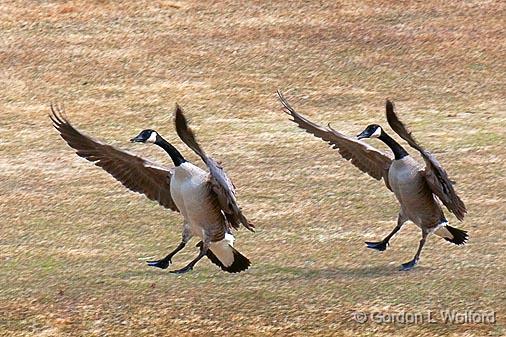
{"x":135,"y":173}
{"x":435,"y":175}
{"x":221,"y":183}
{"x":362,"y":155}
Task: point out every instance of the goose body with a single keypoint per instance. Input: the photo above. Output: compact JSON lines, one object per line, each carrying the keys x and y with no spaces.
{"x":188,"y":187}
{"x":206,"y":200}
{"x":410,"y":189}
{"x":192,"y":194}
{"x":416,"y":188}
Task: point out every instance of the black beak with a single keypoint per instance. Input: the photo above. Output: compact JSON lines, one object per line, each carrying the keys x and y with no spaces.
{"x":137,"y":139}
{"x":363,"y":134}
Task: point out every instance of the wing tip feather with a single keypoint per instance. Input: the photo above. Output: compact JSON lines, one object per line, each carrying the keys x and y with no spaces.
{"x":58,"y":115}
{"x":286,"y":106}
{"x":180,"y":120}
{"x":178,"y":109}
{"x":179,"y":116}
{"x":389,"y":104}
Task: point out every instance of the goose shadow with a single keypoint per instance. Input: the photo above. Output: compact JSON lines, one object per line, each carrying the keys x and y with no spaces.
{"x":303,"y":273}
{"x":361,"y":272}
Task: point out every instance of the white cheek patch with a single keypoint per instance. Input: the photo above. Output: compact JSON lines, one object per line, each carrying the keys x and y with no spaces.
{"x":376,"y":133}
{"x":152,"y":138}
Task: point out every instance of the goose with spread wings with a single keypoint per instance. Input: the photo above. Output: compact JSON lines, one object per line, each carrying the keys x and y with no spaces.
{"x":206,"y":200}
{"x":416,"y":188}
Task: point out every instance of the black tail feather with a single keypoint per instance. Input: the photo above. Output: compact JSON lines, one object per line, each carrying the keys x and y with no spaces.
{"x":460,"y":237}
{"x":240,"y":263}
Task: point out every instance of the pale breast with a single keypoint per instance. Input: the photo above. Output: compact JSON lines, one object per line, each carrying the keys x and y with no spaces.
{"x":191,"y":194}
{"x":404,"y":176}
{"x":413,"y":193}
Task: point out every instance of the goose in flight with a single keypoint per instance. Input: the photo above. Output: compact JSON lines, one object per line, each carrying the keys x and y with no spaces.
{"x":416,"y":188}
{"x":206,"y":200}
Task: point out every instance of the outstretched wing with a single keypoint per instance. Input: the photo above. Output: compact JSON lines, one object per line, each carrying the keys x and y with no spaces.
{"x":362,"y":155}
{"x":221,"y":183}
{"x":135,"y":173}
{"x":434,"y":173}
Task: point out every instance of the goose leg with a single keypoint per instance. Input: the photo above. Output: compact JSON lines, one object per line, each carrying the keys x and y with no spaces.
{"x":409,"y":265}
{"x":382,"y":245}
{"x":166,"y":261}
{"x":202,"y":253}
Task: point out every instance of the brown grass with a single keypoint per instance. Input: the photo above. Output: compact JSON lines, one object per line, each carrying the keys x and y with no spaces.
{"x":73,"y":241}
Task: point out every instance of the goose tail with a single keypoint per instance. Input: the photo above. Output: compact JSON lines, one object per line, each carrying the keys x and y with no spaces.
{"x":224,"y":255}
{"x":452,"y":234}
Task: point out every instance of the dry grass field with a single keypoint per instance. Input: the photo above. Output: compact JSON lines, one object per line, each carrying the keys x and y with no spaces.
{"x":73,"y":242}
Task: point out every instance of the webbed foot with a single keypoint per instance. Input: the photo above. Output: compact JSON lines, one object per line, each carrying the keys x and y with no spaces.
{"x":163,"y":263}
{"x":381,"y":245}
{"x":408,"y":265}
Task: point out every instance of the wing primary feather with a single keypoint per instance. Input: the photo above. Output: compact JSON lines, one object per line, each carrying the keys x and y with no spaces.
{"x":221,"y":184}
{"x":186,"y":133}
{"x":365,"y":157}
{"x":435,"y":175}
{"x":133,"y":172}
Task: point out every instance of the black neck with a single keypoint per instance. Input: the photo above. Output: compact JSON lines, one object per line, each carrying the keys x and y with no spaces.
{"x":174,"y":154}
{"x":398,"y":150}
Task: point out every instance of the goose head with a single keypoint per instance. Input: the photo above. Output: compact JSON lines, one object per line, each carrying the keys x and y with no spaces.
{"x":146,"y":136}
{"x":371,"y":131}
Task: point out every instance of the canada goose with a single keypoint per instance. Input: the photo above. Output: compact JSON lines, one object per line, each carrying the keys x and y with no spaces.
{"x":417,"y":189}
{"x":205,"y":199}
